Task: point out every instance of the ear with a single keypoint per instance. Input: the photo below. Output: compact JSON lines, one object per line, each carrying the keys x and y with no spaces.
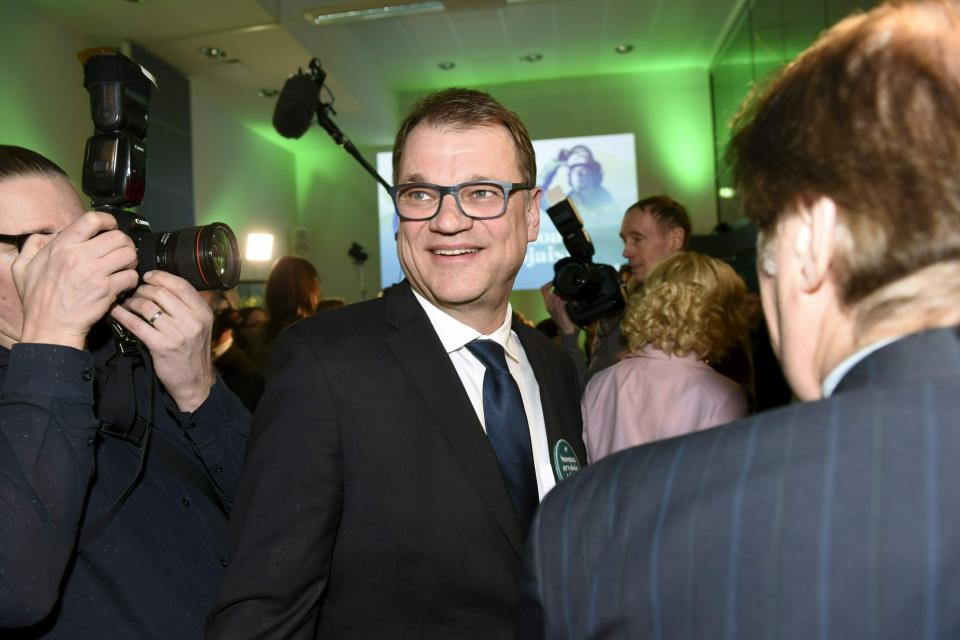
{"x":675,"y":238}
{"x":814,"y":241}
{"x":533,"y":215}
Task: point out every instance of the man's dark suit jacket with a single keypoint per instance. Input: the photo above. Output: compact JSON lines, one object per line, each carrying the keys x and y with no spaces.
{"x":371,"y":503}
{"x":831,"y":519}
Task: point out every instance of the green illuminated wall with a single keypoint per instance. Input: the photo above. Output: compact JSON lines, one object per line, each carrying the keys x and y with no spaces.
{"x":44,"y":104}
{"x":766,"y":35}
{"x":337,"y":204}
{"x":240,"y":178}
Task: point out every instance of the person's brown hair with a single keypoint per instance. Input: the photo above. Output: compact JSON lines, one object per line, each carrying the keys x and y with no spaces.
{"x":291,"y":293}
{"x":668,"y":213}
{"x":869,"y":116}
{"x":690,"y":304}
{"x":465,"y":109}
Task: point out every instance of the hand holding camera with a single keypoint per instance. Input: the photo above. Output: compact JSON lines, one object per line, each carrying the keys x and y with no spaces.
{"x":68,"y":281}
{"x":592,"y":291}
{"x":173,"y":321}
{"x":557,"y":308}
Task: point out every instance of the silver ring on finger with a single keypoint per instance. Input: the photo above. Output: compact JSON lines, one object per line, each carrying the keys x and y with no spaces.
{"x":155,"y":317}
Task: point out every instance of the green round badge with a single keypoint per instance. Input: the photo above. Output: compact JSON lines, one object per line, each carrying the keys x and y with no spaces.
{"x":565,"y":462}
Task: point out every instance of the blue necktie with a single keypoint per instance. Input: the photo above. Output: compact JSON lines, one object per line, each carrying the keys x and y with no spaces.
{"x":507,"y":428}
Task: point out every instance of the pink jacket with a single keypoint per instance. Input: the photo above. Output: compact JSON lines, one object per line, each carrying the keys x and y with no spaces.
{"x":651,"y":396}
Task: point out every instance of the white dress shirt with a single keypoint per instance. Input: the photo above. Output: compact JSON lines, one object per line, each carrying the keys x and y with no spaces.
{"x":455,"y":336}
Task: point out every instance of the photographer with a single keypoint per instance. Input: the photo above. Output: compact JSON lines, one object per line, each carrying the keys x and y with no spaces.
{"x":652,"y":229}
{"x":103,"y":536}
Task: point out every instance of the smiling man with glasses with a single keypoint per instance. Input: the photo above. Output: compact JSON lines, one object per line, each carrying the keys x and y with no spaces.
{"x":403,"y":444}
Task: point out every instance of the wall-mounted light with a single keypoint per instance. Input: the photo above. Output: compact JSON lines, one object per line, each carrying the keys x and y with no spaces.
{"x":446,"y":65}
{"x":623,"y":48}
{"x":726,"y":193}
{"x":532,"y":57}
{"x":259,"y":247}
{"x":268,"y":93}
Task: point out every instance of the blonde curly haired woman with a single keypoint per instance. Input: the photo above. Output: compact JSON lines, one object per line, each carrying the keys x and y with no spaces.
{"x":687,"y":316}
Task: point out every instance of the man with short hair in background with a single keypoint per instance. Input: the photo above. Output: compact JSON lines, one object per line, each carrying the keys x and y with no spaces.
{"x":835,"y":517}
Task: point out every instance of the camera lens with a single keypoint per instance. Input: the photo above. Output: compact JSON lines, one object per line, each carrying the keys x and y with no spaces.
{"x":572,"y":278}
{"x":207,"y":257}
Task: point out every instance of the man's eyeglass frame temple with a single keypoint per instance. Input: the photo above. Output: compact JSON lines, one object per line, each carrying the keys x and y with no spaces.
{"x":453,"y":190}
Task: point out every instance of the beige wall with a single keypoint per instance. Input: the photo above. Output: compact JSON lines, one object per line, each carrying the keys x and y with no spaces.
{"x":44,"y":106}
{"x":240,"y":178}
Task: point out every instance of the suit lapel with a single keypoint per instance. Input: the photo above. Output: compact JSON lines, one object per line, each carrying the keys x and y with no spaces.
{"x":422,"y":357}
{"x":559,"y":425}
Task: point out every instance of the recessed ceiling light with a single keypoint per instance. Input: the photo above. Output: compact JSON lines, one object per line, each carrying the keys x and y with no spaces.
{"x":214,"y":53}
{"x":446,"y":65}
{"x":268,"y":93}
{"x":532,"y":57}
{"x":623,"y":48}
{"x":726,"y":193}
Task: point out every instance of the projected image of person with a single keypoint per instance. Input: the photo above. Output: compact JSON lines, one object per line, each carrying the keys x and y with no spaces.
{"x":585,"y":186}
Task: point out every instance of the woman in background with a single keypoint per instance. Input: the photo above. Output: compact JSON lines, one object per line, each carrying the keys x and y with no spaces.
{"x":687,"y":316}
{"x":292,"y":292}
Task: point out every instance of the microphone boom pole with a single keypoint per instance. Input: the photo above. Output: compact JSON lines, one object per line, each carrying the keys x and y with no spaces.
{"x":325,"y":108}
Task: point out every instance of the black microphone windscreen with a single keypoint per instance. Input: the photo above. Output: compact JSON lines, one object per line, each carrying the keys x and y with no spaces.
{"x":296,"y":105}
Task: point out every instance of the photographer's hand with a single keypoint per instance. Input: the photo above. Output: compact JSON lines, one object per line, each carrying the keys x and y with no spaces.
{"x":68,"y":280}
{"x":557,"y":308}
{"x":174,"y":323}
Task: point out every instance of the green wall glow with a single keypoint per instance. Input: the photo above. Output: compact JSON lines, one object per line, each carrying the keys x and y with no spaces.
{"x":765,"y":36}
{"x":240,"y":178}
{"x":44,"y":104}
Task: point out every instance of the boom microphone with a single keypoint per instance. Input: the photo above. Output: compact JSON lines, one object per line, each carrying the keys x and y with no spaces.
{"x":296,"y":105}
{"x":300,"y":99}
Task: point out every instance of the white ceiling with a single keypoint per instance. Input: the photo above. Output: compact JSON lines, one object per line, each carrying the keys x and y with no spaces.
{"x":370,"y":62}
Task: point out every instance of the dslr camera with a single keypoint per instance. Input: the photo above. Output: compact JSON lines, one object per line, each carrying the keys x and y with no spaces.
{"x":592,"y":290}
{"x":115,"y":170}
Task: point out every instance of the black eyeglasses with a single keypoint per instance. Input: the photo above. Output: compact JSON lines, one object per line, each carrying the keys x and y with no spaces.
{"x":477,"y":199}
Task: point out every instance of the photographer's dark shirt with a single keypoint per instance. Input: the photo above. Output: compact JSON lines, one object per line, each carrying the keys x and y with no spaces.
{"x":154,"y":570}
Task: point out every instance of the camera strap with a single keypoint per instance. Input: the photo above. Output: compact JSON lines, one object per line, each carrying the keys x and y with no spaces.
{"x":117,"y":398}
{"x":119,"y":418}
{"x":117,"y":410}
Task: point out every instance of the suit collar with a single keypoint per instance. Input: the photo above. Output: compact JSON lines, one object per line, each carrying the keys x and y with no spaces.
{"x":428,"y":367}
{"x":455,"y":335}
{"x":925,"y":355}
{"x":550,"y":386}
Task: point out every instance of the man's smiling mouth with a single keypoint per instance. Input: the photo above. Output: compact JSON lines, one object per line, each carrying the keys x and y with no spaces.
{"x":453,"y":252}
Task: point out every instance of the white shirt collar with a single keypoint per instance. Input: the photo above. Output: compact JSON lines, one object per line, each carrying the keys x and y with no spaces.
{"x":833,"y":378}
{"x":454,"y":335}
